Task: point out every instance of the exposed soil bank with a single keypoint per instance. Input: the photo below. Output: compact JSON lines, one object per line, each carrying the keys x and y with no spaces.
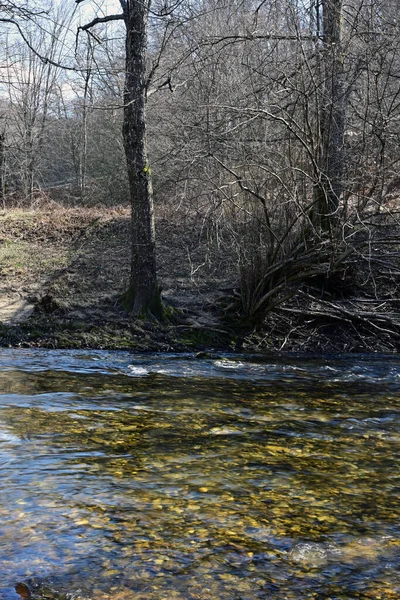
{"x":62,"y":271}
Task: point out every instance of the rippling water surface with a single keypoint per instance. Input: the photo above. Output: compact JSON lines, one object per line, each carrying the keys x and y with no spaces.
{"x":130,"y":477}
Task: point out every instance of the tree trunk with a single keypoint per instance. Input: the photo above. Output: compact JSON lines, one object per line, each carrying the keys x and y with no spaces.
{"x":2,"y":165}
{"x":143,"y":295}
{"x":84,"y":127}
{"x":332,"y":117}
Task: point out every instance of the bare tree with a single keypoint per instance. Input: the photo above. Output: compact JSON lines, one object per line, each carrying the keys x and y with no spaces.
{"x":332,"y":104}
{"x":283,"y":117}
{"x":143,"y":295}
{"x":30,"y":82}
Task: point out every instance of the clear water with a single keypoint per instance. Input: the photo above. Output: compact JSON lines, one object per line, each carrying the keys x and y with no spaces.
{"x":129,"y":477}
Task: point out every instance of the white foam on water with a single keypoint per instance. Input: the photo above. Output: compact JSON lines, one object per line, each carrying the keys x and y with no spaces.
{"x":136,"y":371}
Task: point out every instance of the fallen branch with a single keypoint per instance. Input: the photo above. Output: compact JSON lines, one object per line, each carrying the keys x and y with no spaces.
{"x":341,"y":313}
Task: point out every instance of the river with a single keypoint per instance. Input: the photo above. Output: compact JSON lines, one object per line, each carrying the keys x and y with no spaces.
{"x":141,"y":477}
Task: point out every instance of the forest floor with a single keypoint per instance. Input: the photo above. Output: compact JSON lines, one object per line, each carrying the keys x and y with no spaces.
{"x":63,"y":270}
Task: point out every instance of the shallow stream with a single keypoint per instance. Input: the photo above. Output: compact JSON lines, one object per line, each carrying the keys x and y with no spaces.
{"x":141,"y":477}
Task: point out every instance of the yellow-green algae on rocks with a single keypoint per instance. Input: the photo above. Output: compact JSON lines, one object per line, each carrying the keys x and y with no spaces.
{"x":150,"y":477}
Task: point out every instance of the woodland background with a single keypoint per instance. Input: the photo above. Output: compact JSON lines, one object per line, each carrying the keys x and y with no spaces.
{"x":273,"y":131}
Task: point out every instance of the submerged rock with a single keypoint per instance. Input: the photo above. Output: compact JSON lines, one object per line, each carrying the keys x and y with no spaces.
{"x":23,"y":590}
{"x":42,"y":591}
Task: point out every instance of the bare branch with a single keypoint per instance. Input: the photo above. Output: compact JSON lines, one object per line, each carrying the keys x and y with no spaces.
{"x":44,"y":59}
{"x":97,"y":20}
{"x":214,"y":40}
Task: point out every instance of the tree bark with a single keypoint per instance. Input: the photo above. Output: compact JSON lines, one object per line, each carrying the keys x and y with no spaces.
{"x":2,"y":164}
{"x":329,"y":188}
{"x":143,"y":296}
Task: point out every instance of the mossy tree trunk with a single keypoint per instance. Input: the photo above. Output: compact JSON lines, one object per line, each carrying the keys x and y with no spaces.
{"x":143,"y":295}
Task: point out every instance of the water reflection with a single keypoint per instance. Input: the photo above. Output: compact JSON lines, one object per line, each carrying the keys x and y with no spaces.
{"x":198,"y":478}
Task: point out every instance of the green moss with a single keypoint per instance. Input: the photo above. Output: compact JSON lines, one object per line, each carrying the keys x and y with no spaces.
{"x":153,"y":309}
{"x":203,"y":338}
{"x":58,"y":331}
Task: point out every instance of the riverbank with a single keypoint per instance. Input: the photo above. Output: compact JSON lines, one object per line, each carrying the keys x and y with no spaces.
{"x":63,"y":270}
